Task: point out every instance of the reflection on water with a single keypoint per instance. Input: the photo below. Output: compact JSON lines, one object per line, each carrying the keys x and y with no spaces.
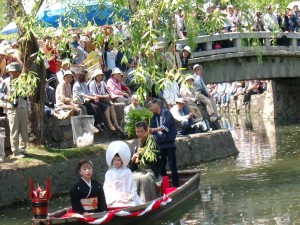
{"x":259,"y":186}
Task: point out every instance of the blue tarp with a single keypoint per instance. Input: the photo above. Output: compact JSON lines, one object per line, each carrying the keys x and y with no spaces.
{"x":10,"y":28}
{"x":72,"y":12}
{"x":76,"y":13}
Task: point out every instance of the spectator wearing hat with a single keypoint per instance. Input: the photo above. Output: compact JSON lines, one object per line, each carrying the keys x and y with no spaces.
{"x":64,"y":99}
{"x":189,"y":97}
{"x":98,"y":88}
{"x":164,"y":130}
{"x":17,"y":112}
{"x":65,"y":65}
{"x":114,"y":87}
{"x":182,"y":115}
{"x":82,"y":95}
{"x":185,"y":55}
{"x":203,"y":95}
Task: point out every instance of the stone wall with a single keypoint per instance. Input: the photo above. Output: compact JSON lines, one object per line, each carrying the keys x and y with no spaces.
{"x":191,"y":150}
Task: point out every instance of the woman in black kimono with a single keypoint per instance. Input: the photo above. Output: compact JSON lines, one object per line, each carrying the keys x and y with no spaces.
{"x":87,"y":195}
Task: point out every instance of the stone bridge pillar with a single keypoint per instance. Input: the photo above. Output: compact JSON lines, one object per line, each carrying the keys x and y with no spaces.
{"x":283,"y":99}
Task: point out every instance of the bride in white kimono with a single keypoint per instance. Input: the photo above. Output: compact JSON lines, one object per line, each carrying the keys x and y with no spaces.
{"x":119,"y":185}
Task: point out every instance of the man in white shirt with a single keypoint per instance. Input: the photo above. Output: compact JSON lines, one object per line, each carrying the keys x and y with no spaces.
{"x":203,"y":95}
{"x":181,"y":115}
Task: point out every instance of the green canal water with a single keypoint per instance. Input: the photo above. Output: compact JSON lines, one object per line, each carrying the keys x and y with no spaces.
{"x":259,"y":186}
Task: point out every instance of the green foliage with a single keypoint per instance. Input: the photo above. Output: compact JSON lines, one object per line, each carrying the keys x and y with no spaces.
{"x":25,"y":84}
{"x":135,"y":115}
{"x":149,"y":152}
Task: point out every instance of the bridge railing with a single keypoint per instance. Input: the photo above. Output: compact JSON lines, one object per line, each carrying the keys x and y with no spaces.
{"x":286,"y":43}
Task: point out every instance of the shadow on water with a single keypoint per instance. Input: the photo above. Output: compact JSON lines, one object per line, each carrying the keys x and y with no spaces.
{"x":260,"y":185}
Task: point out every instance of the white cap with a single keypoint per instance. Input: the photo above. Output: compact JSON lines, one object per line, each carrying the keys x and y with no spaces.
{"x":189,"y":77}
{"x":196,"y":66}
{"x":179,"y":100}
{"x":187,"y":48}
{"x":116,"y":70}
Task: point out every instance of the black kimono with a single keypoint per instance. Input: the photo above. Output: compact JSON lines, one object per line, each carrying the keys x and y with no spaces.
{"x":88,"y":199}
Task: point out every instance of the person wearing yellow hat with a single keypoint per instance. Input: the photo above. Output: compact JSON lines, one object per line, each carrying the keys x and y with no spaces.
{"x":97,"y":88}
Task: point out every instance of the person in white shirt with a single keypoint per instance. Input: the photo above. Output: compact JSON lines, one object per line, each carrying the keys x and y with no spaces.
{"x":170,"y":92}
{"x":119,"y":186}
{"x":181,"y":115}
{"x":189,"y":97}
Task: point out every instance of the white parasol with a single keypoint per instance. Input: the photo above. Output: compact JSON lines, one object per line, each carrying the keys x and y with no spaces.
{"x":292,"y":4}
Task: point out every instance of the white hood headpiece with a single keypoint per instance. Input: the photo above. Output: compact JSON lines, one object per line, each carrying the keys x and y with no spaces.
{"x":122,"y":149}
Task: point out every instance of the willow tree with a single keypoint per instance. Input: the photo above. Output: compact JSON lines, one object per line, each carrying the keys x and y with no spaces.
{"x":150,"y":22}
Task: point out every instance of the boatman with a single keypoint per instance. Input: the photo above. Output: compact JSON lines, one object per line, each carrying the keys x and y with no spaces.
{"x":147,"y":177}
{"x":164,"y":129}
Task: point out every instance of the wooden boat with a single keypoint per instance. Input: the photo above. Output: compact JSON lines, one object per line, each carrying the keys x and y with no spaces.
{"x":189,"y":181}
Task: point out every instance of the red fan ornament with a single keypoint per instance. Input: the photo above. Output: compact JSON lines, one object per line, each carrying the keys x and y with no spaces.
{"x":39,"y":199}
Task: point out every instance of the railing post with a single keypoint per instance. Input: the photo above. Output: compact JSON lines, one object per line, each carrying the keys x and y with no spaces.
{"x":294,"y":42}
{"x":237,"y":43}
{"x":267,"y":42}
{"x":208,"y":46}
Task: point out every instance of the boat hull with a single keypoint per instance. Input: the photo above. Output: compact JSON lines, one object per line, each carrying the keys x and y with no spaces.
{"x":189,"y":180}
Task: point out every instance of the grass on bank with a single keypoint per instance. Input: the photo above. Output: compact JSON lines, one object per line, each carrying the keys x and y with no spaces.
{"x":47,"y":155}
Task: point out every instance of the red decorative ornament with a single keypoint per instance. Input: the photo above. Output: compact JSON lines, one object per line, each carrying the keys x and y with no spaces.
{"x":39,"y":199}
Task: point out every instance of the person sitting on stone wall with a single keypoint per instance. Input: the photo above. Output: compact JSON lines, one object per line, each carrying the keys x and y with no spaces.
{"x":189,"y":97}
{"x":64,"y":99}
{"x":203,"y":95}
{"x":182,"y":115}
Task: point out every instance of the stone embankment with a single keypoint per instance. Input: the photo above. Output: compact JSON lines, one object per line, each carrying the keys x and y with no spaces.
{"x":191,"y":150}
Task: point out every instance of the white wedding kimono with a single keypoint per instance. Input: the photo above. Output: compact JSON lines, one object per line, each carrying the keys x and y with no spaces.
{"x":120,"y":188}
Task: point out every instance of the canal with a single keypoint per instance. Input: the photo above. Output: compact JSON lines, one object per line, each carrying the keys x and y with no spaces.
{"x":260,"y":185}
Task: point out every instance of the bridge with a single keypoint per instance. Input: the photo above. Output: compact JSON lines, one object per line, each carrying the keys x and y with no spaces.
{"x":274,"y":57}
{"x":239,"y":61}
